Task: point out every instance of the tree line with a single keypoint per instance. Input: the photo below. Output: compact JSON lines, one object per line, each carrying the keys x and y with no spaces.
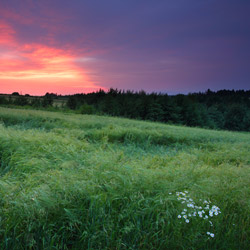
{"x":224,"y":109}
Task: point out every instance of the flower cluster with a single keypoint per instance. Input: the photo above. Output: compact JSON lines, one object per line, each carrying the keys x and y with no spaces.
{"x":203,"y":211}
{"x":210,"y":234}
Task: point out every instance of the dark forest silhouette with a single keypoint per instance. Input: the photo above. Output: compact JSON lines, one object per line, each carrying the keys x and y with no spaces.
{"x":224,"y":109}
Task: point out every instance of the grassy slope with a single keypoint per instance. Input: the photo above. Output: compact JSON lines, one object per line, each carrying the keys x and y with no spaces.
{"x":88,"y":182}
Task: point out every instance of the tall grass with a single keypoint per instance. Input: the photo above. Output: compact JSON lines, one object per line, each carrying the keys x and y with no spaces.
{"x":87,"y":182}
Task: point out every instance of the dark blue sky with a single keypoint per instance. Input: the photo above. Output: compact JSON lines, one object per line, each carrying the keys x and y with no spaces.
{"x":156,"y":45}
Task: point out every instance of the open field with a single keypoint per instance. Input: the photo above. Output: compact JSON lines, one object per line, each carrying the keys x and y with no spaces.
{"x":89,"y":182}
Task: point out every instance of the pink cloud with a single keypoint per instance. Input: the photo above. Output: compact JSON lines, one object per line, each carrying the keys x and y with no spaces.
{"x":6,"y":34}
{"x":36,"y":68}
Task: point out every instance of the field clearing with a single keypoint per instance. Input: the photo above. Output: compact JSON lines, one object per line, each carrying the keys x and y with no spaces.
{"x":73,"y":181}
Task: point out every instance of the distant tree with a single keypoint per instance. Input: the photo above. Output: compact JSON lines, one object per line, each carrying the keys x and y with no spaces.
{"x":101,"y":93}
{"x":216,"y":118}
{"x":3,"y":100}
{"x":204,"y":116}
{"x":110,"y":105}
{"x":53,"y":95}
{"x":113,"y":92}
{"x":237,"y":118}
{"x":21,"y":101}
{"x":15,"y":94}
{"x":209,"y":92}
{"x":36,"y":102}
{"x":10,"y":101}
{"x":86,"y":109}
{"x":191,"y":115}
{"x":171,"y":111}
{"x":71,"y":102}
{"x":47,"y":100}
{"x":155,"y":112}
{"x":136,"y":108}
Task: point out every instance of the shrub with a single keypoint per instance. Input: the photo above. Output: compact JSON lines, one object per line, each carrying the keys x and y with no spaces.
{"x":87,"y":109}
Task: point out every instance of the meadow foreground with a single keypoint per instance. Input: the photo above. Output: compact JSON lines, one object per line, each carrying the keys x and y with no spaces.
{"x":91,"y":182}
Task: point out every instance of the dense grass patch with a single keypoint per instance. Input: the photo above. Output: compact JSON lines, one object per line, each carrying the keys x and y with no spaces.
{"x":87,"y":182}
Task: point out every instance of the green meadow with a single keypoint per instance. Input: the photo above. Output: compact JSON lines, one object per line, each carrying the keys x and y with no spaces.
{"x":71,"y":181}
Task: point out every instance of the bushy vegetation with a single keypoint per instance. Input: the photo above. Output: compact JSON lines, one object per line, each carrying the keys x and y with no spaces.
{"x":73,"y":181}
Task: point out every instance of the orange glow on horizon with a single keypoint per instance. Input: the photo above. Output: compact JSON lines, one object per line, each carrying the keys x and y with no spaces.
{"x":36,"y":68}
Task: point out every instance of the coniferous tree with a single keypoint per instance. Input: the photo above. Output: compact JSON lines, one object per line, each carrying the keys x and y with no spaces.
{"x":71,"y":102}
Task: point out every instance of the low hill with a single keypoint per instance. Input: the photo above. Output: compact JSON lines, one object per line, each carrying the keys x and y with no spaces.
{"x":73,"y":181}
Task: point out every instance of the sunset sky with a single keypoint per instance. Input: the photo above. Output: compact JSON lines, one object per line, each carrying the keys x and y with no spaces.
{"x":76,"y":46}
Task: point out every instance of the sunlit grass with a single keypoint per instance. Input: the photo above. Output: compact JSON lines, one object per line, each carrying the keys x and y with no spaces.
{"x":90,"y":182}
